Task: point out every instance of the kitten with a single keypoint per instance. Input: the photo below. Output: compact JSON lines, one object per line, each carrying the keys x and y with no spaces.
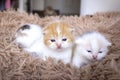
{"x":49,"y":11}
{"x":30,"y":37}
{"x":58,"y":40}
{"x":90,"y":47}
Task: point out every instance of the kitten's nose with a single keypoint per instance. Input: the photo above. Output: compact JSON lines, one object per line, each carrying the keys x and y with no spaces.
{"x":94,"y":57}
{"x":58,"y":46}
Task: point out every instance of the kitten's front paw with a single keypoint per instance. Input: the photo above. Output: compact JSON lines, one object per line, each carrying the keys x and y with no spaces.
{"x":76,"y":63}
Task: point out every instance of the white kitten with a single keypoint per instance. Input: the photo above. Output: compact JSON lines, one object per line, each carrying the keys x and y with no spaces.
{"x":30,"y":37}
{"x":90,"y":47}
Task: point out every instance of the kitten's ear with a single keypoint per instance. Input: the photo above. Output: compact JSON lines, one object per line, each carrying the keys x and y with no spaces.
{"x":108,"y":43}
{"x":44,"y":30}
{"x":78,"y":41}
{"x":72,"y":30}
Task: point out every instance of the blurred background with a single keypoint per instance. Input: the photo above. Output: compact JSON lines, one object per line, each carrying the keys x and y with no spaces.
{"x":61,"y":7}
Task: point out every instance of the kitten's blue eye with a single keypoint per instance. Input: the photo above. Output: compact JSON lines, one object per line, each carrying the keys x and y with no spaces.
{"x":64,"y":39}
{"x":100,"y":52}
{"x":89,"y":51}
{"x":52,"y":40}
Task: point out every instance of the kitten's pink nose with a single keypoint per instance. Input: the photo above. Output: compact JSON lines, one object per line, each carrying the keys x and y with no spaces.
{"x":94,"y":57}
{"x":58,"y":46}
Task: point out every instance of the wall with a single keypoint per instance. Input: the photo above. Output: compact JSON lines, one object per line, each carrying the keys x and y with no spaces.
{"x":37,"y":4}
{"x":56,"y":4}
{"x":93,"y":6}
{"x":70,"y":6}
{"x":64,"y":6}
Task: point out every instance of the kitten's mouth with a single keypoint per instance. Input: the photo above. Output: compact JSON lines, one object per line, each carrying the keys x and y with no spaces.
{"x":59,"y":48}
{"x":94,"y":59}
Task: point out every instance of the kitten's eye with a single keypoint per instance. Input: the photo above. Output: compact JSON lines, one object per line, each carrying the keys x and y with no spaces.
{"x":64,"y":39}
{"x":100,"y":52}
{"x":89,"y":51}
{"x":25,"y":27}
{"x":52,"y":40}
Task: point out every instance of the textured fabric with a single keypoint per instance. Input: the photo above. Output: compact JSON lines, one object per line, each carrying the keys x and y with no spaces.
{"x":16,"y":64}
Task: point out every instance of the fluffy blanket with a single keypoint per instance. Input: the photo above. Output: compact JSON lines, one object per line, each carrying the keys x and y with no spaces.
{"x":16,"y":64}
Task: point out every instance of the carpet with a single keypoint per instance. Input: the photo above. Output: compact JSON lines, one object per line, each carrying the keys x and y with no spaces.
{"x":17,"y":64}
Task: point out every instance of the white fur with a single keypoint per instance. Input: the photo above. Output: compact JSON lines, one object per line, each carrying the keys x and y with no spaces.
{"x":64,"y":56}
{"x":34,"y":44}
{"x":58,"y":30}
{"x":94,"y":42}
{"x":32,"y":41}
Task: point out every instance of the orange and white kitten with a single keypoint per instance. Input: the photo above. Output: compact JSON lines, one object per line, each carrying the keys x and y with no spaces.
{"x":58,"y":40}
{"x":30,"y":38}
{"x":90,"y":47}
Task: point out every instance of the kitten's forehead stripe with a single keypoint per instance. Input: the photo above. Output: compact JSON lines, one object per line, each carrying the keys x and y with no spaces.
{"x":58,"y":29}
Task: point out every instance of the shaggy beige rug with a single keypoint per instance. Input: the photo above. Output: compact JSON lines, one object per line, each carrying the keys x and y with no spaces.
{"x":16,"y":64}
